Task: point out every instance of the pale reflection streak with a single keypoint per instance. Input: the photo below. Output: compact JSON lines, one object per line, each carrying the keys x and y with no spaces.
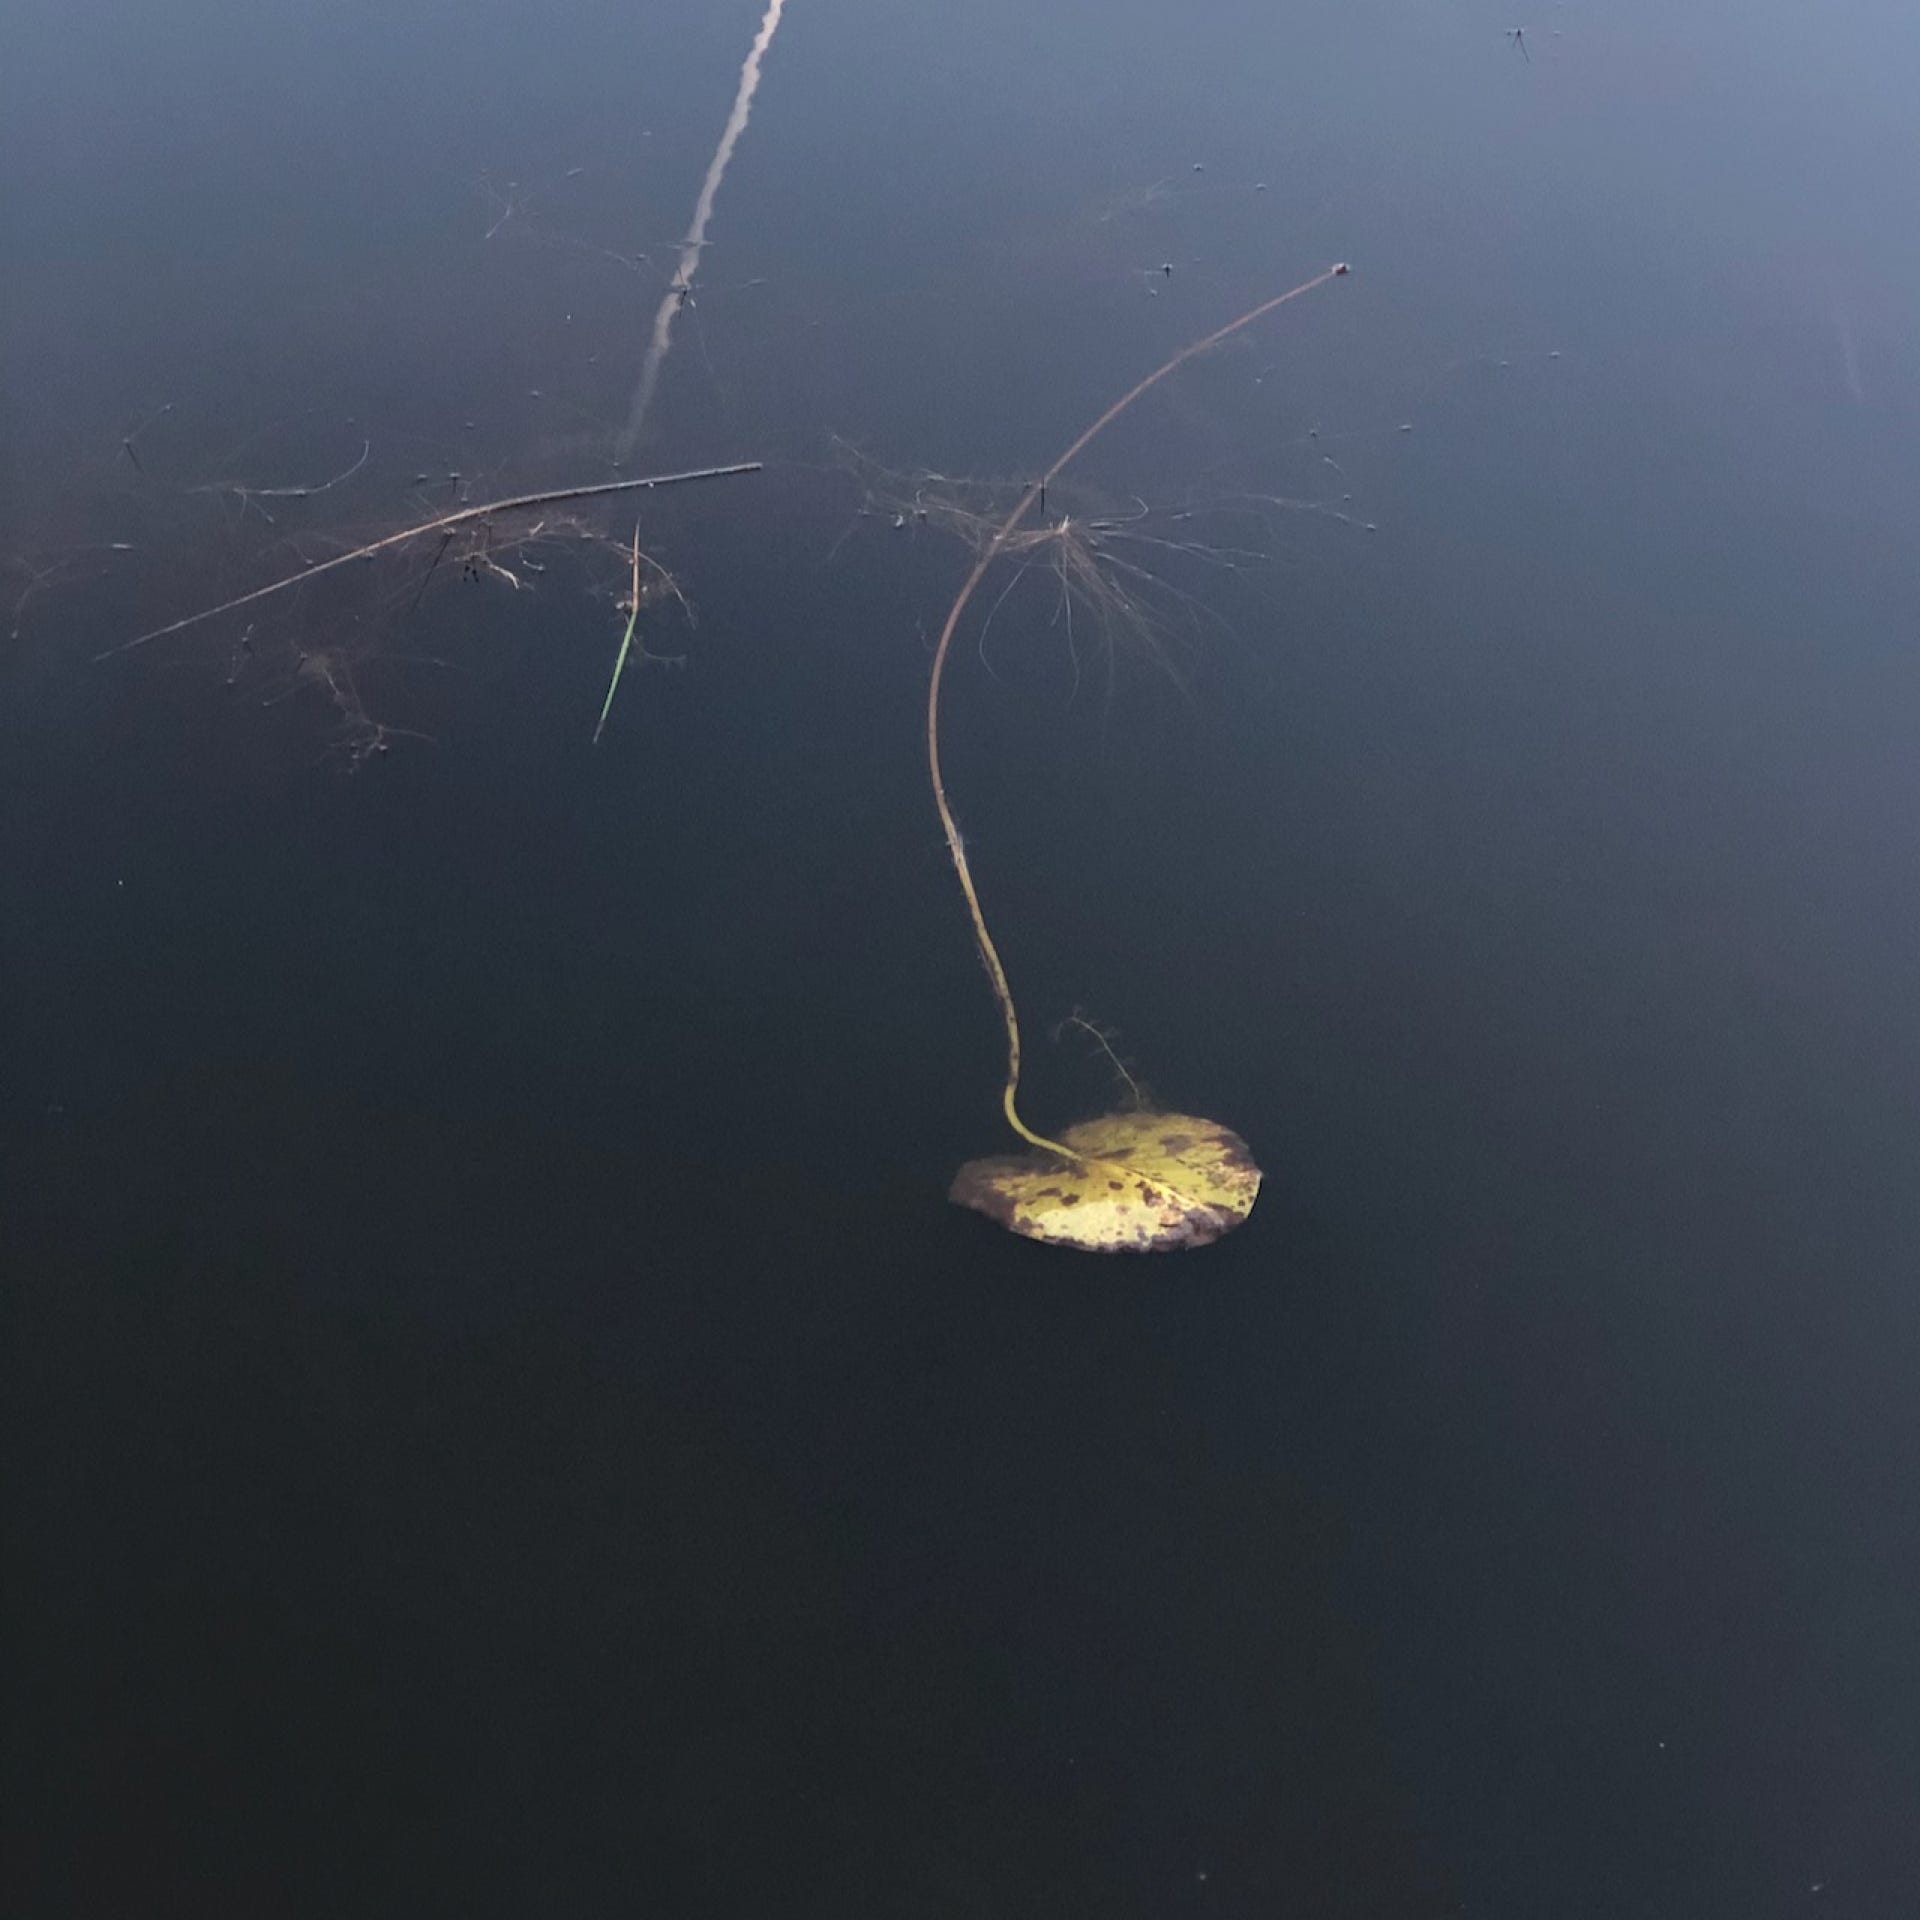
{"x":679,"y":288}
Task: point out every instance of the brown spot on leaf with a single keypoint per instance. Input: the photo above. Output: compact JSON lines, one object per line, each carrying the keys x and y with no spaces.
{"x":1233,"y":1152}
{"x":973,"y":1186}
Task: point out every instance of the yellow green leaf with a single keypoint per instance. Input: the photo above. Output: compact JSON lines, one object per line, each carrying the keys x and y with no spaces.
{"x":1132,"y":1183}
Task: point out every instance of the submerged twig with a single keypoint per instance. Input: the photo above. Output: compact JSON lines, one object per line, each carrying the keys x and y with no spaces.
{"x":1103,"y":1037}
{"x":249,"y":494}
{"x":441,"y":523}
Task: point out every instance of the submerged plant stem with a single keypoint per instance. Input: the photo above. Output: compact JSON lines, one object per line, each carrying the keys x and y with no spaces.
{"x":989,"y":953}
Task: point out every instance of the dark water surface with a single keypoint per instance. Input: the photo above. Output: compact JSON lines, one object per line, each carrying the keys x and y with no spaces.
{"x":499,"y":1415}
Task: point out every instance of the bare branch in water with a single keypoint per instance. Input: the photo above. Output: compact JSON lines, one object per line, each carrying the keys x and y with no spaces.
{"x":441,"y":523}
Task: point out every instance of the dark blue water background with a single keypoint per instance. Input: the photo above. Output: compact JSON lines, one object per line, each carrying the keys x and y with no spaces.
{"x":499,"y":1416}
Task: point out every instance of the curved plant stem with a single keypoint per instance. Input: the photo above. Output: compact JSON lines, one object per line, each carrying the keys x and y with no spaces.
{"x":989,"y":953}
{"x":442,"y":523}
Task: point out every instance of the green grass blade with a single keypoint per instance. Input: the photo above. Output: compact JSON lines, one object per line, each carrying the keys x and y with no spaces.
{"x":619,"y":667}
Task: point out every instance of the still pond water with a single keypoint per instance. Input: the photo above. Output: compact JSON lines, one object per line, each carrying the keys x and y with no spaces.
{"x":500,"y":1417}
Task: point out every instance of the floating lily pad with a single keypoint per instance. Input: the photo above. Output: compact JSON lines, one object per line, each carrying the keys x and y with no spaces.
{"x":1135,"y":1183}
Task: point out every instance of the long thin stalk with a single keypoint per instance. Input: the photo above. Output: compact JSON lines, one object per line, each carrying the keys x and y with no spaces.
{"x":447,"y":523}
{"x":989,"y":953}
